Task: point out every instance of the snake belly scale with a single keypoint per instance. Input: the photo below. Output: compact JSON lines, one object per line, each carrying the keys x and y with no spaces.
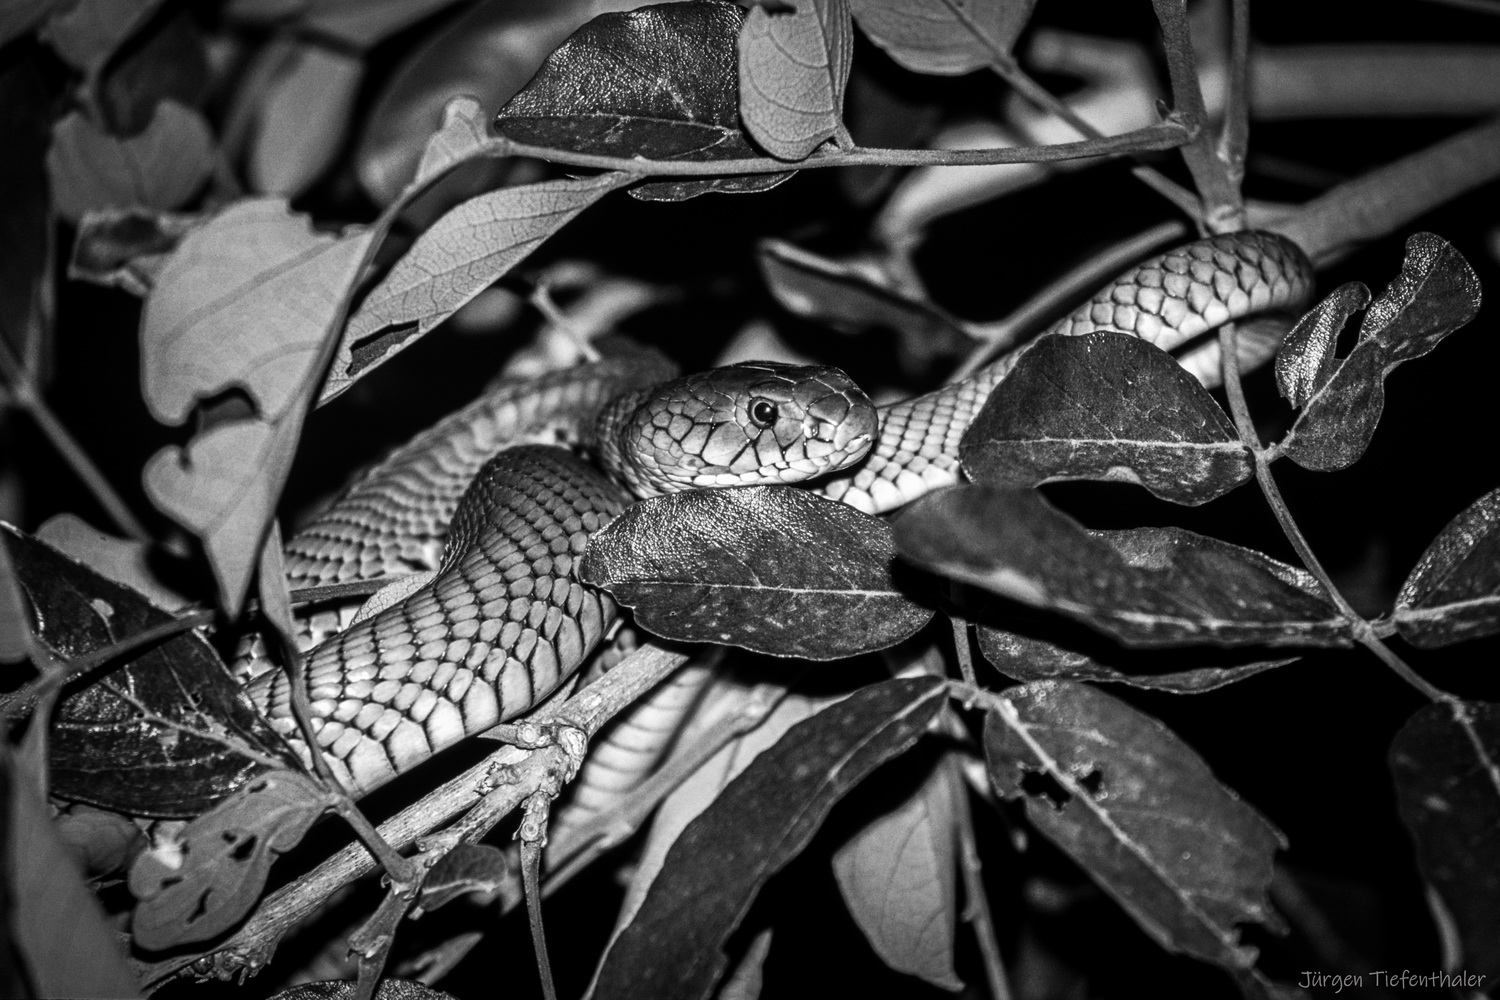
{"x":504,"y":620}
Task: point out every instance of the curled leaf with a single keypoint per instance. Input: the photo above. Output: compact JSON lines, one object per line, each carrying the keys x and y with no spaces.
{"x":1454,"y":592}
{"x":793,"y":69}
{"x":1305,"y":359}
{"x":771,"y":568}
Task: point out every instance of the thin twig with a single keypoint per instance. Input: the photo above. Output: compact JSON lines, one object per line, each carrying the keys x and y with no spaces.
{"x":1234,"y":140}
{"x":977,"y":910}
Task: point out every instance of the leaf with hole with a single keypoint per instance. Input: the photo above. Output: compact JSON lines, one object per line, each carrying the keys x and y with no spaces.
{"x":202,"y":884}
{"x":794,"y":64}
{"x":1446,"y":766}
{"x":1105,"y":406}
{"x":1436,"y":293}
{"x":1139,"y":811}
{"x":770,"y":568}
{"x":1305,"y":360}
{"x":1453,"y":594}
{"x":761,"y":821}
{"x":658,"y":82}
{"x":1144,"y":586}
{"x":946,"y":37}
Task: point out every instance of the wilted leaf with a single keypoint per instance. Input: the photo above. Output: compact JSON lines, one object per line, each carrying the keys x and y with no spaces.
{"x":1454,"y":592}
{"x":458,"y":257}
{"x":847,"y":298}
{"x":465,"y":869}
{"x":123,"y":560}
{"x":104,"y":750}
{"x":1305,"y":359}
{"x":1028,"y":659}
{"x":1446,"y":765}
{"x":946,"y":37}
{"x":793,"y":68}
{"x":658,"y":82}
{"x":303,"y":118}
{"x":897,"y":876}
{"x":161,"y":168}
{"x":760,"y":822}
{"x":89,"y":32}
{"x":464,"y":131}
{"x":126,"y":247}
{"x":1105,"y":406}
{"x":771,"y":568}
{"x":200,"y":886}
{"x":56,"y":927}
{"x":1144,"y":586}
{"x":1436,"y":293}
{"x":1139,"y":811}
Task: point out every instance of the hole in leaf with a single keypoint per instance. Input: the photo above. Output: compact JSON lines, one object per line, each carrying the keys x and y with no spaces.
{"x":232,"y":405}
{"x":242,"y":850}
{"x":1093,"y":782}
{"x":1039,"y":784}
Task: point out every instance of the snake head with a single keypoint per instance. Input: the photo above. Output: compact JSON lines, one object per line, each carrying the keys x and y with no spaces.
{"x":742,"y":425}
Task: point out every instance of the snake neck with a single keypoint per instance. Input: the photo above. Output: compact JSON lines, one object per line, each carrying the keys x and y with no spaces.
{"x":612,"y":431}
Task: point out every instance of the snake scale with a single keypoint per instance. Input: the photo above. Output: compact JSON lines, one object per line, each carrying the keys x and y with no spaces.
{"x":503,"y":621}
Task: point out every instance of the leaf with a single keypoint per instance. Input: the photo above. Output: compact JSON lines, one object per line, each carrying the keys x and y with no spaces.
{"x":459,"y":256}
{"x":348,"y":989}
{"x":897,"y":878}
{"x":19,"y":16}
{"x":467,"y":868}
{"x":104,"y":748}
{"x":123,"y":560}
{"x":246,"y":301}
{"x":747,"y":978}
{"x":463,"y":133}
{"x":303,"y":118}
{"x":57,"y":928}
{"x":1144,"y":586}
{"x":161,"y":168}
{"x":89,"y":32}
{"x":1436,"y":293}
{"x":15,"y":615}
{"x":1305,"y":359}
{"x":26,"y":276}
{"x":1446,"y":766}
{"x":1028,"y":659}
{"x":947,"y":37}
{"x":659,"y":82}
{"x":196,"y":888}
{"x":126,"y":247}
{"x":1453,"y":594}
{"x":760,"y":822}
{"x":770,"y":568}
{"x":1139,"y":811}
{"x":848,"y":298}
{"x":362,"y":23}
{"x":1105,"y":406}
{"x":793,"y":68}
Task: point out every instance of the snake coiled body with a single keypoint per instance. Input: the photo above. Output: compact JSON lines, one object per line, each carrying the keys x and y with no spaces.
{"x":504,"y":621}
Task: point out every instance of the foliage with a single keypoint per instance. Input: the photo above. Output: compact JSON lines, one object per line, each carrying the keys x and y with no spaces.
{"x":286,"y":195}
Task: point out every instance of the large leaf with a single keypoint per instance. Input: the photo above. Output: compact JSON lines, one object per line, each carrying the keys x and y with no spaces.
{"x":1446,"y":764}
{"x":793,"y":69}
{"x":1454,"y":592}
{"x":1105,"y":406}
{"x":459,"y":256}
{"x":170,"y":732}
{"x":943,"y":36}
{"x":1145,"y":586}
{"x":161,"y":168}
{"x":898,"y":878}
{"x":303,"y":118}
{"x":771,"y":568}
{"x":760,"y":822}
{"x":1140,"y":812}
{"x":1436,"y":293}
{"x":658,"y":82}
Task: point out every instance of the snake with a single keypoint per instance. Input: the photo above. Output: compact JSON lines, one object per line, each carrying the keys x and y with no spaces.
{"x":503,"y":495}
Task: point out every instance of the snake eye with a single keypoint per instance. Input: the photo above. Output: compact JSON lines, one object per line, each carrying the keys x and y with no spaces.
{"x":763,"y":413}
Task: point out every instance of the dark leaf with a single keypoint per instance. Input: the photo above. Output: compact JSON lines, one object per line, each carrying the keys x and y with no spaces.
{"x":467,"y":868}
{"x":848,"y":298}
{"x":346,"y":989}
{"x":657,"y":82}
{"x":758,"y":823}
{"x":1305,"y":360}
{"x":1144,"y":586}
{"x":1028,"y":659}
{"x":199,"y":887}
{"x":1446,"y":765}
{"x":19,"y":16}
{"x":126,"y":247}
{"x":946,"y":37}
{"x":24,"y":227}
{"x":1105,"y":406}
{"x":104,"y":748}
{"x":1436,"y":293}
{"x":1454,"y":592}
{"x":55,"y":929}
{"x":1140,"y":812}
{"x":89,"y":32}
{"x":771,"y":568}
{"x":166,"y":62}
{"x":793,"y":66}
{"x":161,"y":168}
